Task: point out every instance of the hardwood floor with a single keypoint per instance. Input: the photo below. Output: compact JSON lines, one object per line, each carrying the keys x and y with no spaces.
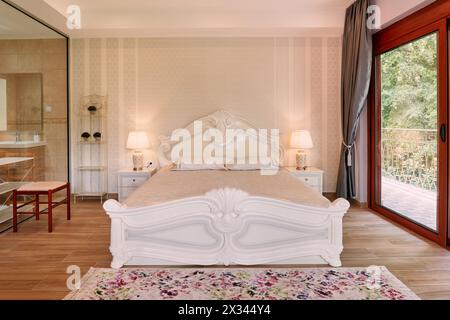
{"x":33,"y":263}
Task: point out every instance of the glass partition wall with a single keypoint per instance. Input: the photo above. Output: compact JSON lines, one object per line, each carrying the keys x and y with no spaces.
{"x":408,"y":108}
{"x":33,"y":104}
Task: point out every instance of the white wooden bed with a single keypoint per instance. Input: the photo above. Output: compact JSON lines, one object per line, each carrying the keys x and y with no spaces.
{"x":225,"y":226}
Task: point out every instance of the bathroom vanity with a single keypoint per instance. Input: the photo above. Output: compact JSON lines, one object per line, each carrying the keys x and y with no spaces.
{"x":22,"y":167}
{"x":24,"y":149}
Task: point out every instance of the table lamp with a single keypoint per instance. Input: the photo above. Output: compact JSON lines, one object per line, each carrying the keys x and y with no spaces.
{"x":301,"y":140}
{"x":137,"y":141}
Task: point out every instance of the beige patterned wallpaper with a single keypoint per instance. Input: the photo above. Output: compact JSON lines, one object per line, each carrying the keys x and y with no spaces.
{"x":158,"y":85}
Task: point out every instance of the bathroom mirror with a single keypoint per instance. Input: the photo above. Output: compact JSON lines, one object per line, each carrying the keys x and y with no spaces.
{"x":22,"y":106}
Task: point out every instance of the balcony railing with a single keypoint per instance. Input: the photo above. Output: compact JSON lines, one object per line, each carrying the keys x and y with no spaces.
{"x":410,"y":156}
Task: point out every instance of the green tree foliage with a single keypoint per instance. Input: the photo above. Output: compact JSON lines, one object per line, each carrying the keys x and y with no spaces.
{"x":409,"y":85}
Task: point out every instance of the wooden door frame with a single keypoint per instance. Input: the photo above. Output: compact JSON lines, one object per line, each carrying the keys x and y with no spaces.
{"x":426,"y":21}
{"x":448,"y":114}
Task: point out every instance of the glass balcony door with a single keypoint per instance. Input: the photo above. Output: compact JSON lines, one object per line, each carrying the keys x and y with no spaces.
{"x":409,"y":152}
{"x":409,"y":131}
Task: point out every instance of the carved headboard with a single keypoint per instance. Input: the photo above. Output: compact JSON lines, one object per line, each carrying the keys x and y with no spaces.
{"x":220,"y":120}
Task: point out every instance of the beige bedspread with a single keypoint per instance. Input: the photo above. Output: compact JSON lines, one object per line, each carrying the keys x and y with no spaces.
{"x":169,"y":185}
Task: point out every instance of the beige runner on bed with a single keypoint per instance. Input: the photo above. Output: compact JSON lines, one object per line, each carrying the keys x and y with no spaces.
{"x":169,"y":185}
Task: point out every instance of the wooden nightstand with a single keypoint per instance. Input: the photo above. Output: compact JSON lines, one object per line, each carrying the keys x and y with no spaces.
{"x":311,"y":176}
{"x":129,"y":181}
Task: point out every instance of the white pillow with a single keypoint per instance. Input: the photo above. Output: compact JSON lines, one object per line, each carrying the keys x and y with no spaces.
{"x":198,"y":167}
{"x":245,"y":167}
{"x":251,"y":165}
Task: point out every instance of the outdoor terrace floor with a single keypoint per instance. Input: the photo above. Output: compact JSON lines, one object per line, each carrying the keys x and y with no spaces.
{"x":412,"y":202}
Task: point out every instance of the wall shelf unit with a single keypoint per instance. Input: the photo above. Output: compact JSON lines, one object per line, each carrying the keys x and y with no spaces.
{"x":92,"y":159}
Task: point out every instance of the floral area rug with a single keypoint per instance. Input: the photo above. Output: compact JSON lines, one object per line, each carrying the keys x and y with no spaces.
{"x":241,"y":284}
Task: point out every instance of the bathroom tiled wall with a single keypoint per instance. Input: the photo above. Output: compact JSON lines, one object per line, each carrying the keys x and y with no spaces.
{"x":49,"y":57}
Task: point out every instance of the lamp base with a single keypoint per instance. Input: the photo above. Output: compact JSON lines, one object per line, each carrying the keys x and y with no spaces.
{"x":138,"y":161}
{"x":300,"y":160}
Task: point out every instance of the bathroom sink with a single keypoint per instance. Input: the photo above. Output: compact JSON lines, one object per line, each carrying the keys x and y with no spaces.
{"x":21,"y":144}
{"x":18,"y":142}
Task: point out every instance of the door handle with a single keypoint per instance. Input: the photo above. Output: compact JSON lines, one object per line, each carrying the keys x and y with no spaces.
{"x":443,"y":133}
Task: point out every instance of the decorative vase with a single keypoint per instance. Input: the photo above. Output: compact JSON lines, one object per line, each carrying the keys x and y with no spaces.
{"x":85,"y":136}
{"x":97,"y":136}
{"x":92,"y":109}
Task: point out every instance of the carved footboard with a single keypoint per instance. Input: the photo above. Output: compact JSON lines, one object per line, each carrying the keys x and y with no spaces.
{"x":226,"y":227}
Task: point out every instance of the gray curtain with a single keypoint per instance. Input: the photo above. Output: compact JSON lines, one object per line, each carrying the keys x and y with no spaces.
{"x":356,"y":73}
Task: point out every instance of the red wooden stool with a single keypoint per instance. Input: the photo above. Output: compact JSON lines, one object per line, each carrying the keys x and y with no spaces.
{"x":37,"y":189}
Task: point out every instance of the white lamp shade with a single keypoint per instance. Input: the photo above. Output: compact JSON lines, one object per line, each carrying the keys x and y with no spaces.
{"x":138,"y":140}
{"x":301,"y":139}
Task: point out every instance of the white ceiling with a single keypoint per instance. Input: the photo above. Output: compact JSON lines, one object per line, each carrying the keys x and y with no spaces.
{"x":16,"y":25}
{"x":153,"y":17}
